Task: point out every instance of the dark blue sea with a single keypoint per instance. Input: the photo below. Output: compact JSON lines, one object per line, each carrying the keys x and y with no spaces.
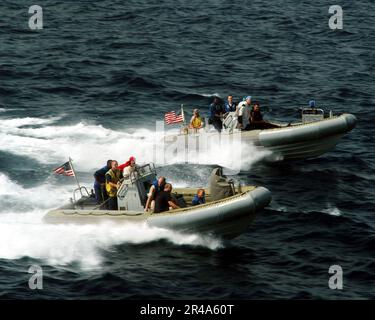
{"x":91,"y":85}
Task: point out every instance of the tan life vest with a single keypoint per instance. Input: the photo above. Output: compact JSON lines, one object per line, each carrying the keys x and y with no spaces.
{"x":115,"y":177}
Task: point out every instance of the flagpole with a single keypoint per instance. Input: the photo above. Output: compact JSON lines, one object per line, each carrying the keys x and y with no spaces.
{"x":183,"y":118}
{"x":183,"y":113}
{"x":75,"y":176}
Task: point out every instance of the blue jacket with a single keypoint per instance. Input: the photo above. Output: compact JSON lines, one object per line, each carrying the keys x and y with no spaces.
{"x":157,"y":187}
{"x":215,"y":109}
{"x":100,"y":175}
{"x":229,"y":108}
{"x":196,"y":200}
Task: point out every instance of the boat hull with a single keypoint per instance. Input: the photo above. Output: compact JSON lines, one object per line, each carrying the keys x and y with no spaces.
{"x":300,"y":150}
{"x":294,"y":142}
{"x":226,"y":218}
{"x":305,"y":140}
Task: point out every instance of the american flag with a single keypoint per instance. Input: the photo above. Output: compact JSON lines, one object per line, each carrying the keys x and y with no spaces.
{"x":65,"y":169}
{"x":171,"y":117}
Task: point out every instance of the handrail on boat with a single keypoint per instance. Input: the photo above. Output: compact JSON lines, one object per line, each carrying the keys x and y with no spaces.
{"x":80,"y":190}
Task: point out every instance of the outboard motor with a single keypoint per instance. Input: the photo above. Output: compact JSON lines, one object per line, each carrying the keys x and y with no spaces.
{"x":132,"y":195}
{"x":220,"y":186}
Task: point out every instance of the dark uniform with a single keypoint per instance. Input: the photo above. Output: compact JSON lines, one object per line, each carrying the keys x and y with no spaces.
{"x":161,"y":201}
{"x":215,"y":111}
{"x":113,"y":176}
{"x":99,"y":186}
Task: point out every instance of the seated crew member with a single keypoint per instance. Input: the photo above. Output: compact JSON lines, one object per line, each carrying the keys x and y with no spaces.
{"x":163,"y":200}
{"x":199,"y":198}
{"x":256,"y":119}
{"x":312,"y":105}
{"x":196,"y":120}
{"x":128,"y":168}
{"x":230,"y":106}
{"x":156,"y":187}
{"x":243,"y":112}
{"x":216,"y":112}
{"x":112,"y":183}
{"x":99,"y":184}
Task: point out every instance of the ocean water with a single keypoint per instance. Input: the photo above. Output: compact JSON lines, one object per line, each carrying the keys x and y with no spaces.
{"x":92,"y":83}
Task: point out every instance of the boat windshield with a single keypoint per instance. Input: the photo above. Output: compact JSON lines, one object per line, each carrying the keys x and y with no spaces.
{"x":142,"y":171}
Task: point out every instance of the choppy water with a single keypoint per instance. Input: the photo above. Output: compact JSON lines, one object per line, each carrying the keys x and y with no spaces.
{"x":93,"y":82}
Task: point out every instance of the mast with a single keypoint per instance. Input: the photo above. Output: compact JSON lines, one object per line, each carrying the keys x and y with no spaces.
{"x":75,"y":176}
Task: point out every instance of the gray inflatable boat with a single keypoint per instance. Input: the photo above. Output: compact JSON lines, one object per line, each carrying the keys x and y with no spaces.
{"x":224,"y":215}
{"x":315,"y":135}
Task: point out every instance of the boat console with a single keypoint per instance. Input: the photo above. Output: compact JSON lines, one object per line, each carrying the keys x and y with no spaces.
{"x":132,"y":195}
{"x":230,"y":122}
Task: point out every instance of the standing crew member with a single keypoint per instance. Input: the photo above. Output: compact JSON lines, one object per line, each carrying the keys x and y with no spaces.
{"x":230,"y":105}
{"x":128,"y":168}
{"x":112,"y":183}
{"x":243,"y":112}
{"x":216,"y":113}
{"x":99,"y":184}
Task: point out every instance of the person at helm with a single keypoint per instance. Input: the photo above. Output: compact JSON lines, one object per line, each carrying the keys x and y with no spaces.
{"x":112,"y":184}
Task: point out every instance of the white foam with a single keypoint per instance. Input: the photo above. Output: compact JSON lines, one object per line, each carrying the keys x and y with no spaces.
{"x":17,"y":198}
{"x":18,"y":122}
{"x":10,"y":109}
{"x":209,"y":95}
{"x":90,"y":145}
{"x":332,"y":210}
{"x":24,"y":234}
